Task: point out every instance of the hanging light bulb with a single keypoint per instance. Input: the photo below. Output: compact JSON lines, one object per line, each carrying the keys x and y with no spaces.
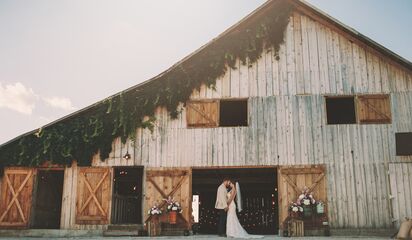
{"x":127,"y":156}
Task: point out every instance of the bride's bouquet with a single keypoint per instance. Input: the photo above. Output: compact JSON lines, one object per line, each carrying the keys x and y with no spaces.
{"x":173,"y":206}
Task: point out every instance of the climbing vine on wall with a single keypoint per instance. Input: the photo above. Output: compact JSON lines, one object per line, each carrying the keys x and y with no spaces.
{"x":93,"y":130}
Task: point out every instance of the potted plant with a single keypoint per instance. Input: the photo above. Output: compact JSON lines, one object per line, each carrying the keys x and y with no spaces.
{"x":173,"y":208}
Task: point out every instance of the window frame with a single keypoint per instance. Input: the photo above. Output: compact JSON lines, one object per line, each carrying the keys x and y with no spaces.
{"x":396,"y":145}
{"x":218,"y":100}
{"x":356,"y":110}
{"x":340,"y":96}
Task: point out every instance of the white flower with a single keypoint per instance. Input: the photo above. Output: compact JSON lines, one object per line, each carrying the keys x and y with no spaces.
{"x":295,"y":209}
{"x":300,"y":209}
{"x":306,"y":202}
{"x":174,"y":208}
{"x":301,"y":196}
{"x":169,"y":207}
{"x":313,"y":201}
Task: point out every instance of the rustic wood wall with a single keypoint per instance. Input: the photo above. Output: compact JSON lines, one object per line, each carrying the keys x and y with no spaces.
{"x":288,"y":122}
{"x":401,"y":185}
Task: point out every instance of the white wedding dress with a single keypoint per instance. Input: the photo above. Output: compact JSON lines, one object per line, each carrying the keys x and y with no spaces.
{"x":233,"y":227}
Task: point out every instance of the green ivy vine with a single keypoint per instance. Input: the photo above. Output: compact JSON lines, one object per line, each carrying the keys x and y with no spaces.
{"x":92,"y":131}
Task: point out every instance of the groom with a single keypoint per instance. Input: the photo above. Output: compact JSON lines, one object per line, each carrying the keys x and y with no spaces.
{"x":221,"y":205}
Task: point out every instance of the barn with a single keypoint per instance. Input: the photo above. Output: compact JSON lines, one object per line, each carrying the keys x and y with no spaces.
{"x":286,"y":98}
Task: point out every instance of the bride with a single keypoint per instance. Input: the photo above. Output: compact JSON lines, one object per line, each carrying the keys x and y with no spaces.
{"x":233,"y":227}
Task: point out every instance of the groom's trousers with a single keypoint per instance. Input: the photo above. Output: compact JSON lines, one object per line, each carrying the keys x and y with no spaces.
{"x":222,"y":222}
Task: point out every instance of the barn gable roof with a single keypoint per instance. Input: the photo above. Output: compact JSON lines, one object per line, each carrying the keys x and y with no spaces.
{"x":298,"y":5}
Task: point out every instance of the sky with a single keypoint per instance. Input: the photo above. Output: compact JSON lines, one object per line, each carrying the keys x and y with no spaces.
{"x":58,"y":56}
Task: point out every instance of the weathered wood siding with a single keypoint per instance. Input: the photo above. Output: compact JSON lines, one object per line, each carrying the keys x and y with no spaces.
{"x":287,"y":123}
{"x":401,"y":186}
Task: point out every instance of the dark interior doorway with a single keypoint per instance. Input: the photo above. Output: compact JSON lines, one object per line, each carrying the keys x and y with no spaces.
{"x":259,"y":198}
{"x":47,"y":201}
{"x":127,"y":195}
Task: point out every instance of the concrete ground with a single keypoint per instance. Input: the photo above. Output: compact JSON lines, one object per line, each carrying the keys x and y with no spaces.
{"x":204,"y":237}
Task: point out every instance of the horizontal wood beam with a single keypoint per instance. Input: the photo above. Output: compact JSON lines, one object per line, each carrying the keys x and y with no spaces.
{"x":295,"y":171}
{"x":90,"y":218}
{"x":234,"y":167}
{"x":163,"y":173}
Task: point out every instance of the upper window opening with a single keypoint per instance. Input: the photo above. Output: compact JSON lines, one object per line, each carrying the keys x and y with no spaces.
{"x":217,"y":113}
{"x":233,"y":113}
{"x":403,"y":144}
{"x":340,"y":110}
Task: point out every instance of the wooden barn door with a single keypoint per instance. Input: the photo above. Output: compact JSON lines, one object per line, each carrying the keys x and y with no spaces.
{"x":164,"y":182}
{"x":291,"y":182}
{"x":16,"y":197}
{"x":93,"y":195}
{"x":203,"y":113}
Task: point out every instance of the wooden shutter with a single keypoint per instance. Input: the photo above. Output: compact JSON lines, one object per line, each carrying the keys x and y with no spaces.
{"x":291,"y":182}
{"x":374,"y":109}
{"x":164,"y":182}
{"x":202,"y":113}
{"x":93,"y":195}
{"x":16,"y":197}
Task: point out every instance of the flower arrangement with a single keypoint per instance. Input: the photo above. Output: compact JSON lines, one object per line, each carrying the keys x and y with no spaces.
{"x":173,"y":206}
{"x":295,"y":208}
{"x":304,"y":204}
{"x":306,"y":198}
{"x":154,"y":211}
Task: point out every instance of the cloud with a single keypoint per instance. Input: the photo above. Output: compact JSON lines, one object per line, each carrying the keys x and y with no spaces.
{"x":17,"y":97}
{"x":60,"y":103}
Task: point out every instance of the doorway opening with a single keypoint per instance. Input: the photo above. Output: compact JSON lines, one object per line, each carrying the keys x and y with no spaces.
{"x":127,"y":195}
{"x":259,"y":198}
{"x":47,"y":199}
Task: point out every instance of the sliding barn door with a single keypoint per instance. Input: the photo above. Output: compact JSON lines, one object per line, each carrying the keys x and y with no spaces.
{"x":16,"y":197}
{"x":93,"y":195}
{"x":292,"y":180}
{"x":175,"y":182}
